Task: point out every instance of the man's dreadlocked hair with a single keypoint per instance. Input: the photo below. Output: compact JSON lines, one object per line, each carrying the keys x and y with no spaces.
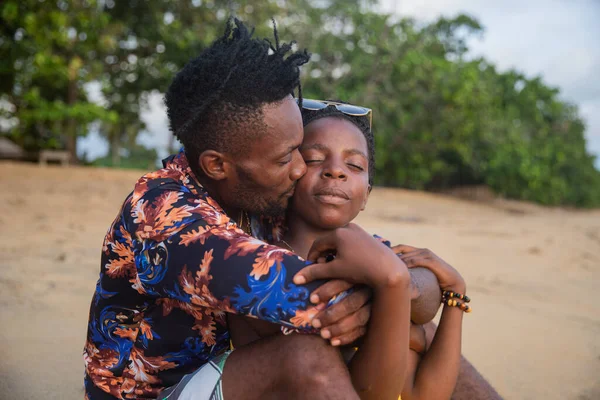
{"x":215,"y":101}
{"x":361,"y":123}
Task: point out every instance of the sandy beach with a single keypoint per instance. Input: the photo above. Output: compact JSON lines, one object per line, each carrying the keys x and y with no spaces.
{"x":532,"y":272}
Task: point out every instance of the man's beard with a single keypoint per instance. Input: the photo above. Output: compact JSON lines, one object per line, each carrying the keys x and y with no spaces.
{"x":247,"y":197}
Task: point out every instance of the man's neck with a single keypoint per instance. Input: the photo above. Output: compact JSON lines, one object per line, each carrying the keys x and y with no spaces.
{"x":300,"y":235}
{"x":211,"y":188}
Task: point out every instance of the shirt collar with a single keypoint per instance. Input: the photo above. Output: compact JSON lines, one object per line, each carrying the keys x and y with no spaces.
{"x":263,"y":228}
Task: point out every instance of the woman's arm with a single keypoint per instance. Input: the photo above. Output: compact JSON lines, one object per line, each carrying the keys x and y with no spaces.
{"x":378,"y":367}
{"x":435,"y":375}
{"x":471,"y":385}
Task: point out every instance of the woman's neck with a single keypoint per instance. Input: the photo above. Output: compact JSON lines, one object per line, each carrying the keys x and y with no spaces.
{"x":300,"y":235}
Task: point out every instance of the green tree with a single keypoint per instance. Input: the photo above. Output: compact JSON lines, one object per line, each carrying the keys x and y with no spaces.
{"x":441,"y":119}
{"x":47,"y":54}
{"x":153,"y":40}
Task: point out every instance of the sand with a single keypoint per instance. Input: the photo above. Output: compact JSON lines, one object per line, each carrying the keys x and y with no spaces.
{"x":533,"y":274}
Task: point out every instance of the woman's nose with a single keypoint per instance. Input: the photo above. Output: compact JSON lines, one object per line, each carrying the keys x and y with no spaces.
{"x":334,"y":171}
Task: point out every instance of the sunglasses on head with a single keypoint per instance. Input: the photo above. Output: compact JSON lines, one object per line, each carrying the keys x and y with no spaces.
{"x":348,"y":109}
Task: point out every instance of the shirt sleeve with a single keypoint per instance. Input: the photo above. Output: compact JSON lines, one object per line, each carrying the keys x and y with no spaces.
{"x":383,"y":240}
{"x":196,"y":255}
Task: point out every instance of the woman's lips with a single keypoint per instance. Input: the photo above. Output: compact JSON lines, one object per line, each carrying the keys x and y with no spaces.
{"x":332,"y":196}
{"x":331,"y":199}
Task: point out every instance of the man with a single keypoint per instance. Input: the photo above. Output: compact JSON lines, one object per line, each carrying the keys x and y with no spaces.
{"x":180,"y":254}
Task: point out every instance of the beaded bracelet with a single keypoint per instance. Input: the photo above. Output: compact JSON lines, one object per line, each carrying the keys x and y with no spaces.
{"x":449,"y":293}
{"x":455,"y":303}
{"x":449,"y":299}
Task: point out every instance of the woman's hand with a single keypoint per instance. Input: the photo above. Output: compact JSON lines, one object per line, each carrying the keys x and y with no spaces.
{"x":360,"y":258}
{"x":448,"y":277}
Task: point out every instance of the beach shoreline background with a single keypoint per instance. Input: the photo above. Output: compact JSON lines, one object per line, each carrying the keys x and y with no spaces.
{"x":531,"y":271}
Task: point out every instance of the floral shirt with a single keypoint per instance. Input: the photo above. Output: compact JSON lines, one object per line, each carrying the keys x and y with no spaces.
{"x":173,"y":264}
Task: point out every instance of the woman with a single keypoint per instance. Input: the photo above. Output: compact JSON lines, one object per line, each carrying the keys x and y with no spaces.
{"x":338,"y":149}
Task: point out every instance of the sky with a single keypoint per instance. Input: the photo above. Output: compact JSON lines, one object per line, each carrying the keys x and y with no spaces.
{"x":558,"y":40}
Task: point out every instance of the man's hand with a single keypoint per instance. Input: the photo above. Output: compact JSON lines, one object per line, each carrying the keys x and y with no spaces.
{"x":346,"y":321}
{"x":360,"y":260}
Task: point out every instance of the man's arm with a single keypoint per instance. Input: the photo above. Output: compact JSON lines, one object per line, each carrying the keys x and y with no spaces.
{"x":221,"y":268}
{"x":470,"y":384}
{"x":188,"y":253}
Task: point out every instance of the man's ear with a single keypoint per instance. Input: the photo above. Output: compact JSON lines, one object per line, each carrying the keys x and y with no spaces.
{"x":214,"y":164}
{"x":364,"y":204}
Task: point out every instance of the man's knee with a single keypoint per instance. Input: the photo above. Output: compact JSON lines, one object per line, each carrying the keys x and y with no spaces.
{"x":292,"y":367}
{"x":310,"y":360}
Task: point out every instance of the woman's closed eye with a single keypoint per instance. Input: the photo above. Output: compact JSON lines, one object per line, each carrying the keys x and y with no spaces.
{"x":355,"y":166}
{"x":312,"y":161}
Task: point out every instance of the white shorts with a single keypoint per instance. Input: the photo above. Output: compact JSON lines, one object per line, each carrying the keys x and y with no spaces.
{"x":202,"y":384}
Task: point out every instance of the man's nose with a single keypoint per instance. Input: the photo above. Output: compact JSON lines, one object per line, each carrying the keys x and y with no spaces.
{"x":299,"y":167}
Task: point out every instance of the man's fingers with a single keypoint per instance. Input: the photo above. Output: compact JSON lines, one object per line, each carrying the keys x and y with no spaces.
{"x":347,"y":324}
{"x":325,"y":292}
{"x":346,"y":308}
{"x":402,"y":248}
{"x":314,"y":272}
{"x":349,"y":337}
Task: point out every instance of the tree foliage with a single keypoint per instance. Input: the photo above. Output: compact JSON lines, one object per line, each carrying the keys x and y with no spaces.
{"x":48,"y":51}
{"x":441,"y":118}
